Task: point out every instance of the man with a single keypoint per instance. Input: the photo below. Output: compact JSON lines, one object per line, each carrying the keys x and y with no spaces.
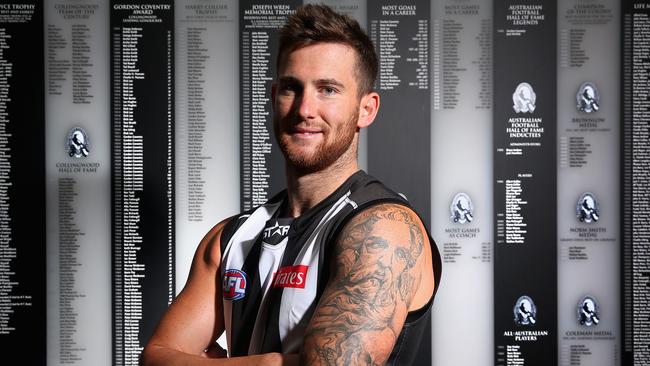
{"x":335,"y":268}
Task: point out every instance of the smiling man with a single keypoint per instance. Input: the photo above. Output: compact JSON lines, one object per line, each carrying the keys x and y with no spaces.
{"x":336,"y":268}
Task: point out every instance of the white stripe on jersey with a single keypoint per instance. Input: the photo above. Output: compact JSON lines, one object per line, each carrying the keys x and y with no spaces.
{"x":270,"y":260}
{"x":295,"y":303}
{"x":238,"y":248}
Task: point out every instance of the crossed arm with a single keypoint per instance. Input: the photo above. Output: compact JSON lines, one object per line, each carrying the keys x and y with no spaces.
{"x":195,"y":319}
{"x":382,"y":269}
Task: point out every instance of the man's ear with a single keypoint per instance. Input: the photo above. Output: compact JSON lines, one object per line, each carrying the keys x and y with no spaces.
{"x":368,"y":108}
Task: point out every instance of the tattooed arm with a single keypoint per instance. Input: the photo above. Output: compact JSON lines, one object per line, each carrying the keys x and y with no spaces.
{"x":381,"y":270}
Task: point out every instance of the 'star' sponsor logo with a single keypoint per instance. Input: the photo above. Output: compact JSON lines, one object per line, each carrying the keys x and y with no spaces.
{"x":276,"y":229}
{"x":291,"y":276}
{"x":234,"y":284}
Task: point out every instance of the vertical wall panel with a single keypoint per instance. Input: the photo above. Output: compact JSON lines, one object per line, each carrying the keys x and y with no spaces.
{"x":635,"y":192}
{"x":142,"y":96}
{"x":207,"y":122}
{"x":461,"y":176}
{"x":22,"y":182}
{"x":78,"y":181}
{"x":525,"y":262}
{"x":587,"y":197}
{"x":399,"y":141}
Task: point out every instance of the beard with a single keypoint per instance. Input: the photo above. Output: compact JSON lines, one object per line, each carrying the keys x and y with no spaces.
{"x":328,"y":151}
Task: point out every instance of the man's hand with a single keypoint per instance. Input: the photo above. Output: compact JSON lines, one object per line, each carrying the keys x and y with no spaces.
{"x":268,"y":359}
{"x":381,"y":270}
{"x":215,"y":351}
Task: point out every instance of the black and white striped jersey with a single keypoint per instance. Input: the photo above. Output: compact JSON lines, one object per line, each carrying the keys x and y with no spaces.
{"x":274,"y":269}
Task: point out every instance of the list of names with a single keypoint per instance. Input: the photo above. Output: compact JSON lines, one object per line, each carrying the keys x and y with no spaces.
{"x":641,"y":186}
{"x":143,"y":198}
{"x":127,"y":209}
{"x":7,"y":250}
{"x":69,"y":235}
{"x":196,"y":59}
{"x":403,"y":57}
{"x":515,"y":231}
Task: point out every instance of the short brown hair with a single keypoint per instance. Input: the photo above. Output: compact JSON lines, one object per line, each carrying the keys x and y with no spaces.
{"x":312,"y":24}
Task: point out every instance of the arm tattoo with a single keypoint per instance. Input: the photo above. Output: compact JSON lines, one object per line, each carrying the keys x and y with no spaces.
{"x":366,"y":301}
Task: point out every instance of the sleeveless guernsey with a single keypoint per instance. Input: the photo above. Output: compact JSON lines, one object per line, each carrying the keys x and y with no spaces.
{"x":274,"y":270}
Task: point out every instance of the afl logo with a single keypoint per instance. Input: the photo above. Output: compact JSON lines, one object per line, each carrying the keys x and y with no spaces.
{"x":234,"y":284}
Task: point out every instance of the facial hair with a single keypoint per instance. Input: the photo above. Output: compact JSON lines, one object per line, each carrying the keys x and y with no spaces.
{"x":327,"y":153}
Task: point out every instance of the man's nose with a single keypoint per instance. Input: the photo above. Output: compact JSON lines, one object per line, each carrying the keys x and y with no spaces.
{"x":307,"y":105}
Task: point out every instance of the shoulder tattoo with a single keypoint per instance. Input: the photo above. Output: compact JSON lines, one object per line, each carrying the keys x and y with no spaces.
{"x":374,"y":278}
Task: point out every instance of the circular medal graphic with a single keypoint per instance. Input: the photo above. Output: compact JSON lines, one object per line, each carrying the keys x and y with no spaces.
{"x":588,"y":98}
{"x":587,"y":208}
{"x":77,"y":144}
{"x":588,"y":312}
{"x":524,"y":98}
{"x":461,"y":209}
{"x":525,"y":312}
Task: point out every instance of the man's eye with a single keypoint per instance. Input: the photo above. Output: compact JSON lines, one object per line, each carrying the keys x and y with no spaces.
{"x":285,"y":89}
{"x":328,"y":90}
